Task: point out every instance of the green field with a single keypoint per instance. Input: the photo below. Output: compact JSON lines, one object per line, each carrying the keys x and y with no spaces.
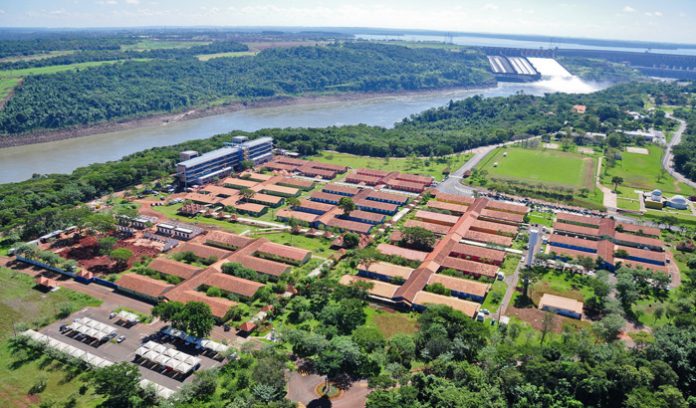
{"x":642,"y":172}
{"x":546,"y":166}
{"x":390,"y":322}
{"x":628,"y":204}
{"x":541,"y":218}
{"x":22,"y":306}
{"x":424,"y":166}
{"x":146,"y":45}
{"x":40,"y":56}
{"x":560,"y":283}
{"x":207,"y":57}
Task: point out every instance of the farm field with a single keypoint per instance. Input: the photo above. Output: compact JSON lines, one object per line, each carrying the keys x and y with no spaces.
{"x":551,"y":167}
{"x":642,"y":172}
{"x":35,"y":57}
{"x":146,"y":45}
{"x":428,"y":167}
{"x":208,"y":57}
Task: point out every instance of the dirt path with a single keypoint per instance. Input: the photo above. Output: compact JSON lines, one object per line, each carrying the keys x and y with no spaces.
{"x":610,"y":198}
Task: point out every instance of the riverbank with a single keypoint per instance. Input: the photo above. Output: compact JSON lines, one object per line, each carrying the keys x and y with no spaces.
{"x":196,"y":113}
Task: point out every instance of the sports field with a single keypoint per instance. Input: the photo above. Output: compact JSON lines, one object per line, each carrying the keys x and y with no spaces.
{"x":550,"y":167}
{"x":643,"y":172}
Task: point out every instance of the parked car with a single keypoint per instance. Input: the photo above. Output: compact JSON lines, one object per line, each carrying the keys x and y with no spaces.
{"x":120,"y":339}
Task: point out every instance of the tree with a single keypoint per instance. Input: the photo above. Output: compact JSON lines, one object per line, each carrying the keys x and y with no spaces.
{"x":418,"y":238}
{"x":194,"y":318}
{"x":345,"y":315}
{"x":546,"y":325}
{"x":106,"y":244}
{"x":167,"y":310}
{"x":616,"y":180}
{"x":247,"y":164}
{"x":368,"y":338}
{"x":119,"y":383}
{"x":347,"y":205}
{"x":401,"y":349}
{"x":247,"y":193}
{"x":121,"y":256}
{"x":529,"y":276}
{"x":351,"y":240}
{"x":292,"y":201}
{"x":610,"y":326}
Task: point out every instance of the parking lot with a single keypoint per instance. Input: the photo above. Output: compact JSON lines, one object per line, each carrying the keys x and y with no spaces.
{"x":135,"y":336}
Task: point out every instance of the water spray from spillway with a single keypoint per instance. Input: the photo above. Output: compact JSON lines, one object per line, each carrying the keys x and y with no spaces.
{"x":556,"y":78}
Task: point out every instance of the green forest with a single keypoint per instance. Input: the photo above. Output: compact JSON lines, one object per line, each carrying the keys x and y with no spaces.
{"x":175,"y":80}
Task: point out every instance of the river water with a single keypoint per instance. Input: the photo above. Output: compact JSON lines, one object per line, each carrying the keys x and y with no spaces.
{"x":63,"y":156}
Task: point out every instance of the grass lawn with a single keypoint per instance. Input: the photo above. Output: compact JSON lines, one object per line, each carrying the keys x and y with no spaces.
{"x":428,"y":167}
{"x":38,"y":56}
{"x":541,"y":218}
{"x":547,"y":166}
{"x":170,"y":212}
{"x":22,"y":305}
{"x":642,"y":172}
{"x":682,"y":216}
{"x":560,"y":283}
{"x":494,"y":297}
{"x":628,"y":204}
{"x":208,"y":57}
{"x":645,"y":310}
{"x":146,"y":45}
{"x":390,"y":323}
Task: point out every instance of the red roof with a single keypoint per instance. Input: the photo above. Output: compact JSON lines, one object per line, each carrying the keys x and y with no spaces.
{"x":295,"y":182}
{"x":143,"y":284}
{"x":571,"y":252}
{"x":331,"y":187}
{"x":233,"y":284}
{"x":461,"y":285}
{"x":250,"y":207}
{"x":502,"y":215}
{"x":44,"y":281}
{"x":203,"y":251}
{"x":313,"y":171}
{"x":315,"y":205}
{"x":436,"y":218}
{"x":264,"y":266}
{"x":359,"y":227}
{"x":642,"y":253}
{"x":387,"y":269}
{"x":464,"y":250}
{"x":266,"y":199}
{"x":579,"y":242}
{"x":494,"y":227}
{"x":376,"y":194}
{"x":488,"y":238}
{"x":415,"y":178}
{"x":366,"y":215}
{"x":299,"y":215}
{"x":457,"y":209}
{"x":235,"y":181}
{"x":326,"y":196}
{"x":227,"y":239}
{"x":377,"y":205}
{"x":174,"y":268}
{"x":471,"y":267}
{"x":622,"y":237}
{"x":575,"y":229}
{"x":218,"y":306}
{"x":202,"y":198}
{"x":436,"y":228}
{"x":247,"y":327}
{"x":578,"y":219}
{"x":284,"y":251}
{"x":372,"y":172}
{"x":363,"y":178}
{"x":220,"y":191}
{"x":405,"y":185}
{"x":507,"y":207}
{"x":388,"y":249}
{"x":453,"y":198}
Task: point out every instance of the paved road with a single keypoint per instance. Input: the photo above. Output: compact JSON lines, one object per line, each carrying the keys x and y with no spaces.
{"x":452,"y":184}
{"x":667,"y":160}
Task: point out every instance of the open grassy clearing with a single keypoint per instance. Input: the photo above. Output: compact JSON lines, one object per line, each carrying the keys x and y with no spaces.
{"x":146,"y":45}
{"x":35,"y":57}
{"x":23,"y":306}
{"x":390,"y":322}
{"x":628,"y":204}
{"x":234,"y":54}
{"x":424,"y":166}
{"x":494,"y":296}
{"x":643,"y":172}
{"x":560,"y":283}
{"x":541,"y":218}
{"x":550,"y":167}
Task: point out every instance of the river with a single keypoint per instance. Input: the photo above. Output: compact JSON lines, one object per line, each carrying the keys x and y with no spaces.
{"x":63,"y":156}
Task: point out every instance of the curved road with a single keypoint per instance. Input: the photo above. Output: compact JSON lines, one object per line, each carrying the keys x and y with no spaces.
{"x":667,"y":160}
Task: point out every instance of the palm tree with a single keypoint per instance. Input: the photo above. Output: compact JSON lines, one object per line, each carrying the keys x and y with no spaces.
{"x":616,"y":180}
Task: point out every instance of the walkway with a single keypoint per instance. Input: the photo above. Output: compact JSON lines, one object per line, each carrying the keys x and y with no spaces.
{"x":511,"y":282}
{"x":610,"y":199}
{"x":667,"y":159}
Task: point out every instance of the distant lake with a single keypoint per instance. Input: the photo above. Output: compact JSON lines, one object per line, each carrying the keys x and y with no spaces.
{"x":63,"y":156}
{"x":472,"y":40}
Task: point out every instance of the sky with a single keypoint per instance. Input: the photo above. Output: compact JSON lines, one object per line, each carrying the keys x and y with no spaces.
{"x":667,"y":20}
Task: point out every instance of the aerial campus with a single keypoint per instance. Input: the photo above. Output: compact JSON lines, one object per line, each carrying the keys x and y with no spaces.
{"x":524,"y":235}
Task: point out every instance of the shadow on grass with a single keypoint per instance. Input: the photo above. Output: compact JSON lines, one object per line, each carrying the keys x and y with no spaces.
{"x":522,"y":302}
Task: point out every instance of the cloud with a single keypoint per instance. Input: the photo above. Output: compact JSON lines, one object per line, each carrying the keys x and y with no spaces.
{"x":653,"y":13}
{"x":2,"y":12}
{"x":629,"y":9}
{"x":490,"y":6}
{"x":133,"y":1}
